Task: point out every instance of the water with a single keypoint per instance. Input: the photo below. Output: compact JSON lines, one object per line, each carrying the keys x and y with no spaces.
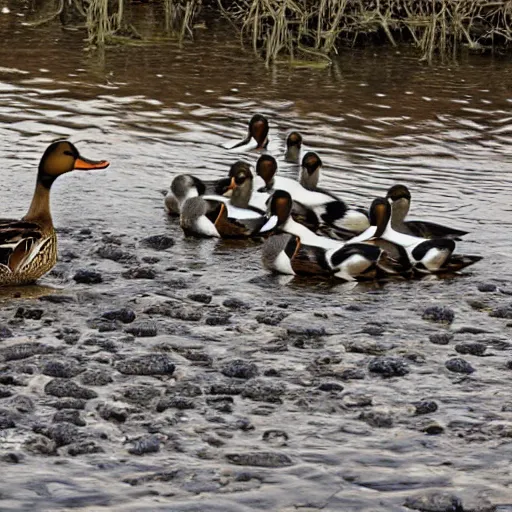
{"x":376,"y":118}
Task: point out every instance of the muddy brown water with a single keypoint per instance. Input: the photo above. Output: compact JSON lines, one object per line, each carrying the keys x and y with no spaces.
{"x":376,"y":118}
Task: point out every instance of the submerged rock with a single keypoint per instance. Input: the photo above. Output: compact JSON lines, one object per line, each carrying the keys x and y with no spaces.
{"x":24,"y":350}
{"x":425,"y":407}
{"x":389,"y":366}
{"x":158,"y":242}
{"x":260,"y":459}
{"x":240,"y":369}
{"x":142,"y":329}
{"x":473,"y":348}
{"x":124,"y":315}
{"x":433,"y":501}
{"x":459,"y":365}
{"x":264,"y":391}
{"x":148,"y":444}
{"x":439,"y":314}
{"x":148,"y":364}
{"x":85,"y":276}
{"x":442,"y":338}
{"x":67,"y":388}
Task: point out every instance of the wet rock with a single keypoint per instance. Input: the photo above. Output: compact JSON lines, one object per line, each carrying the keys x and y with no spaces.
{"x":66,"y":388}
{"x":213,"y":441}
{"x":5,"y":332}
{"x":40,"y":445}
{"x":23,"y":404}
{"x":148,"y":444}
{"x":486,"y":287}
{"x":469,"y":329}
{"x":309,"y":331}
{"x":502,"y":312}
{"x":459,"y":365}
{"x":377,"y":419}
{"x":221,"y":403}
{"x":124,"y":315}
{"x":57,"y":299}
{"x":141,"y":394}
{"x":70,"y":335}
{"x":226,"y":389}
{"x":239,"y":369}
{"x":70,"y":403}
{"x":29,"y":313}
{"x":159,"y":476}
{"x":234,"y":303}
{"x":274,"y":435}
{"x":24,"y":350}
{"x":186,"y":388}
{"x":69,"y":416}
{"x":85,"y":276}
{"x":12,"y":458}
{"x":373,"y":329}
{"x":114,"y":253}
{"x":434,"y":501}
{"x":96,"y":377}
{"x":112,"y":413}
{"x":218,"y":318}
{"x":5,"y":392}
{"x":142,"y":329}
{"x":198,"y":357}
{"x":271,"y":317}
{"x":330,"y":386}
{"x":439,"y":314}
{"x":140,"y":272}
{"x":352,"y":374}
{"x":187,"y":313}
{"x":148,"y":364}
{"x":84,"y":448}
{"x":244,"y":424}
{"x":203,"y":298}
{"x":158,"y":242}
{"x":260,"y":459}
{"x":433,"y":429}
{"x":366,"y":347}
{"x":175,"y":402}
{"x":101,"y":324}
{"x":6,"y":420}
{"x":61,"y":433}
{"x":442,"y":338}
{"x":264,"y":391}
{"x":473,"y":348}
{"x":389,"y":366}
{"x":61,"y":369}
{"x":425,"y":407}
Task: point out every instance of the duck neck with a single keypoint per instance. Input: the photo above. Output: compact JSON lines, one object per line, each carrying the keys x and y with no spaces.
{"x":40,"y":206}
{"x":294,"y":228}
{"x":309,"y":181}
{"x":242,"y":195}
{"x":399,"y":211}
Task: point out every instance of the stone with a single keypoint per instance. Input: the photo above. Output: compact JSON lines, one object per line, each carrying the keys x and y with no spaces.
{"x":260,"y":459}
{"x":147,"y":364}
{"x":85,"y":276}
{"x":434,"y":501}
{"x":148,"y":444}
{"x":439,"y":314}
{"x":473,"y":348}
{"x":67,"y":388}
{"x":142,"y":329}
{"x":158,"y":242}
{"x":124,"y":315}
{"x":459,"y":365}
{"x":442,"y":338}
{"x":389,"y":366}
{"x":239,"y":369}
{"x":141,"y":272}
{"x":425,"y":407}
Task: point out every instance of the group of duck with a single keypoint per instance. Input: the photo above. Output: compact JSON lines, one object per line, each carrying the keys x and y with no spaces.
{"x":308,"y":230}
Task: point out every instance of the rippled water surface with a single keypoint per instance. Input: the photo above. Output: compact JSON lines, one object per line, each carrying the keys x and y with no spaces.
{"x":375,"y":118}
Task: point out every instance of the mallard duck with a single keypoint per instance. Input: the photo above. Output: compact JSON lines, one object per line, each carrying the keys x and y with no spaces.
{"x":299,"y":251}
{"x":28,"y":247}
{"x":400,"y":199}
{"x":425,"y":255}
{"x":257,"y":136}
{"x":293,"y":148}
{"x":320,"y":210}
{"x":224,"y":217}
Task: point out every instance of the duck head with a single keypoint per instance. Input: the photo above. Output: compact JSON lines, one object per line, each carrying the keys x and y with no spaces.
{"x":380,"y":212}
{"x":241,"y":184}
{"x":293,"y":147}
{"x":310,"y":172}
{"x":185,"y":186}
{"x":258,"y":130}
{"x":62,"y":157}
{"x":400,"y":199}
{"x":266,"y":168}
{"x":279,"y":210}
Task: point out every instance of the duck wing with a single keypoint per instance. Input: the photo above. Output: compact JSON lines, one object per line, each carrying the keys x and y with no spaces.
{"x":426,"y":229}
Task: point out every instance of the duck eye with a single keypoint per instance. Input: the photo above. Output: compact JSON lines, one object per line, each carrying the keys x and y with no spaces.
{"x":240,"y":179}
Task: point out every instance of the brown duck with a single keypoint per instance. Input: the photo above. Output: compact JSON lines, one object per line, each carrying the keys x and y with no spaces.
{"x":28,"y":247}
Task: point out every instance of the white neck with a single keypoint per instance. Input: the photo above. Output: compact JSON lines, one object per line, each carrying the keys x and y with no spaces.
{"x":307,"y":236}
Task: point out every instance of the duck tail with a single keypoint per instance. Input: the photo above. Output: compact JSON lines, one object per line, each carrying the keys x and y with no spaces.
{"x":459,"y":261}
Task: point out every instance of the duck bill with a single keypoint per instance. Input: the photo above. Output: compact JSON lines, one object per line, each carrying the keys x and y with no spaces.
{"x":222,"y":186}
{"x":84,"y":164}
{"x":232,"y":185}
{"x":270,"y":224}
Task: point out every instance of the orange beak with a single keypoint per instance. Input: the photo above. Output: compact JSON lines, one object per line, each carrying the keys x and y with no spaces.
{"x":232,"y":185}
{"x":83,"y":164}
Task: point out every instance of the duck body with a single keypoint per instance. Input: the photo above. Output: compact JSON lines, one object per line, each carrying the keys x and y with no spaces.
{"x":28,"y":247}
{"x":299,"y":251}
{"x":257,"y":135}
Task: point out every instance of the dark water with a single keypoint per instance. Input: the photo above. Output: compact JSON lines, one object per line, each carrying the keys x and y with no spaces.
{"x":375,"y":119}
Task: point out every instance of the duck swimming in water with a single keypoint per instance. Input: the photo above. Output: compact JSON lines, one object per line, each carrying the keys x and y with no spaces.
{"x":257,"y":136}
{"x":425,"y":255}
{"x":299,"y":251}
{"x":311,"y":166}
{"x":293,"y":148}
{"x":224,"y":217}
{"x":400,"y":199}
{"x":28,"y":247}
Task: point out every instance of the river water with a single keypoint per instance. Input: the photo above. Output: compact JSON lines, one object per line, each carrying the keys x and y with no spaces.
{"x":376,"y":117}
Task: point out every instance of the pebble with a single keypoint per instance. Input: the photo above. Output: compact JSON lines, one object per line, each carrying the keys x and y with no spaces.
{"x":24,"y":350}
{"x":473,"y":348}
{"x":124,"y":315}
{"x":40,"y":445}
{"x":226,"y":389}
{"x":389,"y":366}
{"x":442,"y":338}
{"x":377,"y":419}
{"x":330,"y":386}
{"x":84,"y":448}
{"x":6,"y":420}
{"x":433,"y":429}
{"x":434,"y":501}
{"x":352,"y":374}
{"x":5,"y":332}
{"x":487,"y":287}
{"x":29,"y":313}
{"x":264,"y":391}
{"x":271,"y":317}
{"x":176,"y":402}
{"x":158,"y":242}
{"x":85,"y":276}
{"x":239,"y":369}
{"x":114,"y":253}
{"x":141,"y":394}
{"x":425,"y":407}
{"x":203,"y":298}
{"x":502,"y":312}
{"x":148,"y":444}
{"x":66,"y":388}
{"x":439,"y":314}
{"x":260,"y":459}
{"x":112,"y":413}
{"x":187,"y":313}
{"x":273,"y":435}
{"x":69,"y":416}
{"x":234,"y":303}
{"x":148,"y":364}
{"x":219,"y":318}
{"x":459,"y":365}
{"x":99,"y":377}
{"x":140,"y":272}
{"x":61,"y":433}
{"x":70,"y":403}
{"x":61,"y":369}
{"x":142,"y":329}
{"x":311,"y":331}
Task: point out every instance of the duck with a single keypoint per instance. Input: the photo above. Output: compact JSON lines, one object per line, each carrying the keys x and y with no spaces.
{"x":28,"y":247}
{"x":186,"y":186}
{"x":296,"y":250}
{"x":293,"y":148}
{"x":319,"y":210}
{"x":311,"y":166}
{"x":257,"y":136}
{"x":400,"y":199}
{"x":426,"y":256}
{"x":224,"y":217}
